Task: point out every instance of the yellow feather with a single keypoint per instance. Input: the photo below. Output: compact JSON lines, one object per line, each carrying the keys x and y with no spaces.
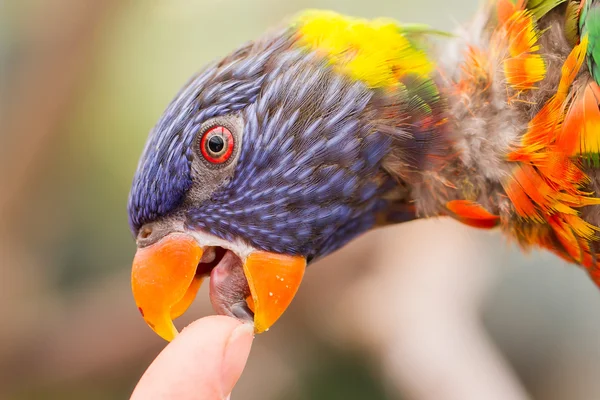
{"x":524,"y":71}
{"x":375,"y":52}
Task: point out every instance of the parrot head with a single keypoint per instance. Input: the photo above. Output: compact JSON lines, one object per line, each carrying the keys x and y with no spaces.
{"x":274,"y":156}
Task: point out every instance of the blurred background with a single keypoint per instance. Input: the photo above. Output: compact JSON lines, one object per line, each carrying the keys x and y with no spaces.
{"x":428,"y":310}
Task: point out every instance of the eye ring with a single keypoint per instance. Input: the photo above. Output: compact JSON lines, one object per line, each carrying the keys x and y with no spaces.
{"x":216,"y":144}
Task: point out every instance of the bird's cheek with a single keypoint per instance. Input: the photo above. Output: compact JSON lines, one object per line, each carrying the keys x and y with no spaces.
{"x":273,"y":280}
{"x":164,"y":280}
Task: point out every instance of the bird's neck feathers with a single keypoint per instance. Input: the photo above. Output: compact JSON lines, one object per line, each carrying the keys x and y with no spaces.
{"x":493,"y":77}
{"x":504,"y":86}
{"x":522,"y":120}
{"x":394,"y":62}
{"x":428,"y":103}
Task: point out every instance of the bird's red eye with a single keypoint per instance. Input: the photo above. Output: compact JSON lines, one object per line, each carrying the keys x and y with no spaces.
{"x":216,"y":144}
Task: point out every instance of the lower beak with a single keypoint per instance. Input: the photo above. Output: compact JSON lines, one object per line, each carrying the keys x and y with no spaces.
{"x":164,"y":281}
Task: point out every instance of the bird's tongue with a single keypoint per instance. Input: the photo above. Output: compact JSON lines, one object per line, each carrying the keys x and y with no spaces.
{"x":229,"y":288}
{"x":258,"y":290}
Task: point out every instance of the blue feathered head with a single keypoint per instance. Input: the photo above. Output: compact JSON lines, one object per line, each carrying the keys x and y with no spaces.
{"x":276,"y":155}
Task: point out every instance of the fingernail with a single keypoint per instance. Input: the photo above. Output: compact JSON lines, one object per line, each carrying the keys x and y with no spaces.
{"x":237,"y":350}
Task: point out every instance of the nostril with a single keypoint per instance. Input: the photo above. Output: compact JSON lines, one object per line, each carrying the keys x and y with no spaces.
{"x":145,"y":233}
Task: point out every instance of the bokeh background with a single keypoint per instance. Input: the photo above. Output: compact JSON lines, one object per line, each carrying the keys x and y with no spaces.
{"x":428,"y":310}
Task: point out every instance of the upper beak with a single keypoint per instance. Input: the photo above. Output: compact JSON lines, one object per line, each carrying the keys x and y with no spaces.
{"x":165,"y":281}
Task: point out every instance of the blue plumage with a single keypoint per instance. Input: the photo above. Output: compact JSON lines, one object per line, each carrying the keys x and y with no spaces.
{"x":163,"y":175}
{"x":309,"y":175}
{"x":295,"y":165}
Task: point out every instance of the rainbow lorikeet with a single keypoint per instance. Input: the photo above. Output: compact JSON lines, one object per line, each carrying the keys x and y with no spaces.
{"x":330,"y":126}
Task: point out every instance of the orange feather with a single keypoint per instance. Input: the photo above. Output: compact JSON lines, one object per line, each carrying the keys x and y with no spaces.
{"x":473,"y":214}
{"x":546,"y":186}
{"x":580,"y":133}
{"x":524,"y":71}
{"x":590,"y":137}
{"x":522,"y":203}
{"x":522,"y":34}
{"x":518,"y":35}
{"x":566,"y":237}
{"x":506,"y":8}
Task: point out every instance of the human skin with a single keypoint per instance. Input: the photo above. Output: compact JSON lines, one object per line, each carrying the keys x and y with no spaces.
{"x":202,"y":363}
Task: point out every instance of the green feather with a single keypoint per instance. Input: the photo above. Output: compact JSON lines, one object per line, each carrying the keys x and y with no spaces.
{"x":583,"y":15}
{"x":539,"y":8}
{"x":419,"y":35}
{"x":589,"y":23}
{"x":572,"y":22}
{"x":422,"y":29}
{"x":591,"y":159}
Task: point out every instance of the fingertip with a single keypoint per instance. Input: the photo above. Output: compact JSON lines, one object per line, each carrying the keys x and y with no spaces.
{"x":204,"y":361}
{"x":205,"y":325}
{"x":236,"y":354}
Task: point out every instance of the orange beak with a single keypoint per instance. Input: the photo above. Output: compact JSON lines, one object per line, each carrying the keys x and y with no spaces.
{"x":164,"y":282}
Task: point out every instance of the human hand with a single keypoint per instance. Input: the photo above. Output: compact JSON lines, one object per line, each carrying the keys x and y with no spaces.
{"x":202,"y":363}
